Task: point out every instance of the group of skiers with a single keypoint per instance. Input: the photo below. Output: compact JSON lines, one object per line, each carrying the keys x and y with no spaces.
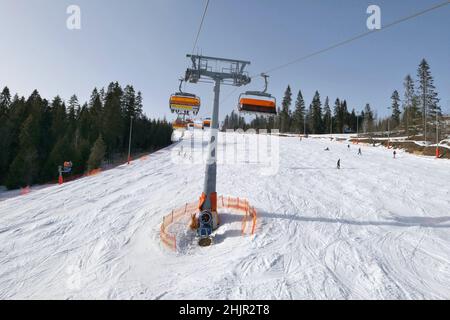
{"x":338,"y":165}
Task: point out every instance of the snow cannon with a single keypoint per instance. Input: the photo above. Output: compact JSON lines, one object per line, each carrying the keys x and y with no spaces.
{"x":66,"y":168}
{"x":205,"y":228}
{"x":207,"y":219}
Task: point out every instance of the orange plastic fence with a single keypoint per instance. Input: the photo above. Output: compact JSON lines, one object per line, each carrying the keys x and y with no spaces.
{"x":24,"y":191}
{"x":94,"y":172}
{"x":190,"y":209}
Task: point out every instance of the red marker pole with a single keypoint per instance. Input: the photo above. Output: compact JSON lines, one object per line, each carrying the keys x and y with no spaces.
{"x":60,"y":178}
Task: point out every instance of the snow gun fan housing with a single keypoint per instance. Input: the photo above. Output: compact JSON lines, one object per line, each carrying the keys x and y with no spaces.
{"x":67,"y":167}
{"x":205,"y":228}
{"x":206,"y":220}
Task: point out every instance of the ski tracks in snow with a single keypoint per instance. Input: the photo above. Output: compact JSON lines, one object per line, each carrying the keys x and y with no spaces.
{"x":376,"y":229}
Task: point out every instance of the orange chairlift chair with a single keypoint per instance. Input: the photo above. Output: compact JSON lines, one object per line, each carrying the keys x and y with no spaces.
{"x":184,"y":103}
{"x":258,"y":102}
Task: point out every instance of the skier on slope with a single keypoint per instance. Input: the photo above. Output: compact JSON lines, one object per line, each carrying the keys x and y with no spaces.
{"x":395,"y":153}
{"x":339,"y":164}
{"x":359,"y":152}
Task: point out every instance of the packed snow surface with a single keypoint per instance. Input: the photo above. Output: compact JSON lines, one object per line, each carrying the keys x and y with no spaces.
{"x":378,"y":228}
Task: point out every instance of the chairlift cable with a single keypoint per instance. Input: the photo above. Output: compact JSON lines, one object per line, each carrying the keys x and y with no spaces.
{"x":342,"y":43}
{"x":200,"y":27}
{"x":339,"y":44}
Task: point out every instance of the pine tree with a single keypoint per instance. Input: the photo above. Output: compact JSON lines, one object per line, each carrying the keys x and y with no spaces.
{"x":327,"y":116}
{"x":427,"y":94}
{"x":344,"y":115}
{"x":97,"y":154}
{"x":353,"y":121}
{"x":285,"y":114}
{"x":129,"y":103}
{"x":5,"y":101}
{"x":95,"y":115}
{"x":316,"y":114}
{"x":5,"y":133}
{"x":298,"y":117}
{"x":59,"y":119}
{"x":40,"y":110}
{"x":395,"y":109}
{"x":339,"y":122}
{"x":113,"y":125}
{"x":368,"y":119}
{"x":138,"y":106}
{"x":409,"y":95}
{"x":17,"y":114}
{"x":24,"y":168}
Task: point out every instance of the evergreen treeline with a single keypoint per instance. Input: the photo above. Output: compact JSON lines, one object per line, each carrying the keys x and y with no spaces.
{"x":419,"y":106}
{"x":317,"y":119}
{"x":36,"y":135}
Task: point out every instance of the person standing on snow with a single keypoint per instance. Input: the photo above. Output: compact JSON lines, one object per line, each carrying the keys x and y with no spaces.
{"x":359,"y":152}
{"x":395,"y":153}
{"x":339,"y":164}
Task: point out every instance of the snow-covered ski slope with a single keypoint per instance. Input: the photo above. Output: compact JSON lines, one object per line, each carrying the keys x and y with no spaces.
{"x":378,"y":228}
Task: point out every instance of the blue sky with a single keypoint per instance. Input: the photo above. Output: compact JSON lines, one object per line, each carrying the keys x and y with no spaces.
{"x":144,"y":43}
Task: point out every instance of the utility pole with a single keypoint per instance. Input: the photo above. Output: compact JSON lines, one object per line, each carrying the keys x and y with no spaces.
{"x":129,"y":141}
{"x":220,"y":70}
{"x":437,"y":134}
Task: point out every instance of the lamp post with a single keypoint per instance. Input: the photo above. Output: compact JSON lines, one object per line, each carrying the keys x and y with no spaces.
{"x":129,"y":141}
{"x":389,"y":130}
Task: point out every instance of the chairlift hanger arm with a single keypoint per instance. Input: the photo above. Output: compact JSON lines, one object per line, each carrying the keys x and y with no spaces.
{"x":266,"y":82}
{"x":181,"y":83}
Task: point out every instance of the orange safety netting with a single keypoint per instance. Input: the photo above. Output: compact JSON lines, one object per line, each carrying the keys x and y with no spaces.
{"x":190,"y":209}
